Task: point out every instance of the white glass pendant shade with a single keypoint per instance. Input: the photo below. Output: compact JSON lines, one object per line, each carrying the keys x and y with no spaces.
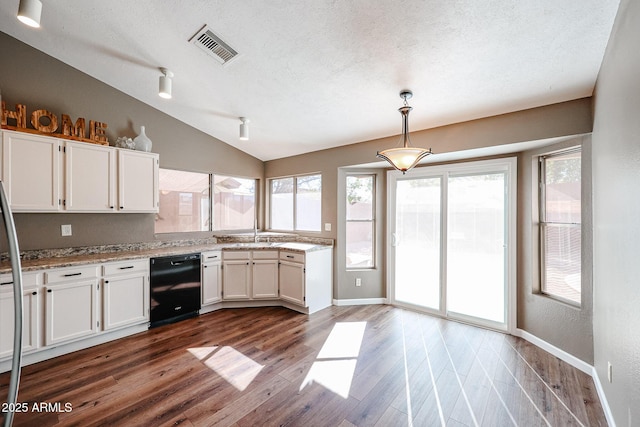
{"x":29,"y":12}
{"x":403,"y":159}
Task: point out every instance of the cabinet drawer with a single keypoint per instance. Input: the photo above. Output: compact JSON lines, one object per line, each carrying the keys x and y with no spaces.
{"x":29,"y":281}
{"x":211,"y":256}
{"x":71,"y":273}
{"x":125,"y":267}
{"x":265,"y":254}
{"x":292,"y":256}
{"x":236,"y":255}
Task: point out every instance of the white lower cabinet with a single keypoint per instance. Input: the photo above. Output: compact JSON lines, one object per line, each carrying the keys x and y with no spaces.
{"x":70,"y":304}
{"x":236,"y":275}
{"x":264,"y":273}
{"x":125,"y":294}
{"x":306,"y":279}
{"x":292,"y":284}
{"x":250,"y":275}
{"x":31,"y":313}
{"x":211,"y":277}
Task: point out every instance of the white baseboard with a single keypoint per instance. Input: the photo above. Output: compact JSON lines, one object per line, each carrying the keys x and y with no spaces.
{"x":603,"y":398}
{"x":550,"y":348}
{"x":360,"y":301}
{"x":576,"y":363}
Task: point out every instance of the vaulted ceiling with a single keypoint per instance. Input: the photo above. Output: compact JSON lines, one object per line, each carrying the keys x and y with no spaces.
{"x":315,"y":74}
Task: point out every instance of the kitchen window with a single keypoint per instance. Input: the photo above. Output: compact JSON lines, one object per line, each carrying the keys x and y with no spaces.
{"x":360,"y":221}
{"x":295,"y":203}
{"x":560,"y":225}
{"x":185,"y":202}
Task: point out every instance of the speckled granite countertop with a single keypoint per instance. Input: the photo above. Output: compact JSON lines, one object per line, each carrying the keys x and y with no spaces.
{"x":67,"y":257}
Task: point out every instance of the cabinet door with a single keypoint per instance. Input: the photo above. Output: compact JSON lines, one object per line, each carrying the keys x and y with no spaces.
{"x":70,"y":311}
{"x":236,"y":279}
{"x":30,"y":172}
{"x":265,"y":279}
{"x":29,"y":322}
{"x":137,"y":181}
{"x":292,"y":282}
{"x":211,"y":282}
{"x":125,"y":301}
{"x":89,"y":177}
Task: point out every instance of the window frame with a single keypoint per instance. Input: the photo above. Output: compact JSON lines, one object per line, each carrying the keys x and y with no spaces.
{"x":543,"y":224}
{"x":211,"y":208}
{"x":373,"y":219}
{"x":295,"y":228}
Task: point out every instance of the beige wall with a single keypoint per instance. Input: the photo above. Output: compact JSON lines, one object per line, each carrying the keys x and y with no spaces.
{"x":538,"y":314}
{"x":616,"y":200}
{"x":558,"y":120}
{"x":30,"y":77}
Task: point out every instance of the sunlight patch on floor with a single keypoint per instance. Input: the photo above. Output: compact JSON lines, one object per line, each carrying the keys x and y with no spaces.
{"x":336,"y":363}
{"x":236,"y":368}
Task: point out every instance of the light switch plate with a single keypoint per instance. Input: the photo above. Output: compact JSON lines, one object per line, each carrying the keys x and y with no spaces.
{"x":327,"y":226}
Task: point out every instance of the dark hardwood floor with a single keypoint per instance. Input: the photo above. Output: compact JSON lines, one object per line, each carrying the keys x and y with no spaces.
{"x":343,"y":366}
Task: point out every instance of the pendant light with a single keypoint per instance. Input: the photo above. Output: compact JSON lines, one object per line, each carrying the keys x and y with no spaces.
{"x":406,"y":157}
{"x":29,"y":12}
{"x":164,"y":86}
{"x":244,"y":129}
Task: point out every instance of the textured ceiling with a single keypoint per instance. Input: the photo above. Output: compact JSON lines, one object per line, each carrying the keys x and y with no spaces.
{"x":315,"y":74}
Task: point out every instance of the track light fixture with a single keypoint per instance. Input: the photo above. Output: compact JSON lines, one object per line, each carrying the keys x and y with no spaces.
{"x":244,"y":129}
{"x":405,"y":157}
{"x":29,"y":12}
{"x":164,"y":88}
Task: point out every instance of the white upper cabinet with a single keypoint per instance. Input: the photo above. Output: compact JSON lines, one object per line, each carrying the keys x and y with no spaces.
{"x":46,"y":174}
{"x":31,"y":171}
{"x":137,"y":181}
{"x":90,"y":177}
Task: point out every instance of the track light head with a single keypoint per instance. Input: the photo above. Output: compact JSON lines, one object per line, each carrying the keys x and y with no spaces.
{"x":164,"y":87}
{"x":29,"y":12}
{"x":244,"y":128}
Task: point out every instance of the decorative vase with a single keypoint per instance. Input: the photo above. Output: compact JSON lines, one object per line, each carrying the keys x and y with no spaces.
{"x":143,"y":143}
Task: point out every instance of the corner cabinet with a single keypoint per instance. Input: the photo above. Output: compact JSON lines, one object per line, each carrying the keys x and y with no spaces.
{"x":250,"y":275}
{"x":306,"y":279}
{"x":47,"y":174}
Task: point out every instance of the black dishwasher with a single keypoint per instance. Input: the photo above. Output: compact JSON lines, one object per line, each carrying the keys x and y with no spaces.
{"x":175,"y":288}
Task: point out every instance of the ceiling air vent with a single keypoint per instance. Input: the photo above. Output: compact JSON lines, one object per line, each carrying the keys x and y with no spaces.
{"x":206,"y":40}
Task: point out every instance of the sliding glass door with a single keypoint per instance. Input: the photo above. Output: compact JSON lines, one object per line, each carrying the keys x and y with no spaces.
{"x":417,"y":242}
{"x":451,"y":251}
{"x":476,"y":246}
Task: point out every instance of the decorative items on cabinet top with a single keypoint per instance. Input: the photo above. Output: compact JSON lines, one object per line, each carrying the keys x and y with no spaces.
{"x":45,"y":122}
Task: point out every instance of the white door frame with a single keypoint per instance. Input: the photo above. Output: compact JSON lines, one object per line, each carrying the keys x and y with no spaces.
{"x":507,"y":165}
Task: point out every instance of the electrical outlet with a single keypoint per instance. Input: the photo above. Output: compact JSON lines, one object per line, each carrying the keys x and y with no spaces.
{"x":66,"y":229}
{"x":358,"y":281}
{"x":610,"y":371}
